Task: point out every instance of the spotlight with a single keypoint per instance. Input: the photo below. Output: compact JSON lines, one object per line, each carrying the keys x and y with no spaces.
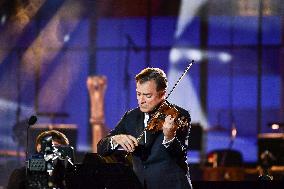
{"x":66,"y":38}
{"x":276,"y":125}
{"x":3,"y":19}
{"x":224,"y":57}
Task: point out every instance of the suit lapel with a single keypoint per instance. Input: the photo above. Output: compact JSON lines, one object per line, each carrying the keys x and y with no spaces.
{"x":140,"y":123}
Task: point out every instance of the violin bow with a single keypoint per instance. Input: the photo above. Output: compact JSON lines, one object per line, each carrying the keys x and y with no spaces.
{"x":180,"y":78}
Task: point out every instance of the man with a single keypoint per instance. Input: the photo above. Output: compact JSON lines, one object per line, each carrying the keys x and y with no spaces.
{"x":17,"y":179}
{"x":160,"y":158}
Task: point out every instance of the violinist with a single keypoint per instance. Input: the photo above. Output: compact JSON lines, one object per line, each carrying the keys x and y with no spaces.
{"x":159,"y":155}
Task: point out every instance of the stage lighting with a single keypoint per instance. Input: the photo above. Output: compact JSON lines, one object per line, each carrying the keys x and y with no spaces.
{"x":276,"y":125}
{"x":3,"y":19}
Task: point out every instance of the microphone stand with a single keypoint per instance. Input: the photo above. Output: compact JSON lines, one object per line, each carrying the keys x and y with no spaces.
{"x":127,"y":75}
{"x":232,"y":140}
{"x":32,"y":120}
{"x":129,"y":46}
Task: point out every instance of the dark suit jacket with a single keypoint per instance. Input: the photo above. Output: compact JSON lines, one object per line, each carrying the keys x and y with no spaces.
{"x":17,"y":179}
{"x":155,"y":165}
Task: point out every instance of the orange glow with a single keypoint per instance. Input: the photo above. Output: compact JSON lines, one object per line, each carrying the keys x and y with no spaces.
{"x":15,"y":26}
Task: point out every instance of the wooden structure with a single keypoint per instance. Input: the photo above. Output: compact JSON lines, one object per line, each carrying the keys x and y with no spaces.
{"x":97,"y":86}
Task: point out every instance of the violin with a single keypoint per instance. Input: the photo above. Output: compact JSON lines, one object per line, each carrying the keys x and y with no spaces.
{"x":156,"y":122}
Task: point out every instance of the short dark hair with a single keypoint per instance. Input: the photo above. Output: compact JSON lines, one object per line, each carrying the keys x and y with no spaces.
{"x":56,"y":136}
{"x":155,"y":74}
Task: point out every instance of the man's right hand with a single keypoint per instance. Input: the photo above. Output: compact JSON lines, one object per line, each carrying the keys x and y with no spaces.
{"x":127,"y":142}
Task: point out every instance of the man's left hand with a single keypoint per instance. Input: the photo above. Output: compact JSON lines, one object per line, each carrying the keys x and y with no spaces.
{"x":169,"y":128}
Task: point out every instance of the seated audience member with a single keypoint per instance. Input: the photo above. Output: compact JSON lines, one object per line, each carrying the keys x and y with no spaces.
{"x":17,"y":179}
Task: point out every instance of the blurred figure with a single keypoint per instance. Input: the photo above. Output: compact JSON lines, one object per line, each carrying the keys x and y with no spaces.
{"x":18,"y":177}
{"x":267,"y":160}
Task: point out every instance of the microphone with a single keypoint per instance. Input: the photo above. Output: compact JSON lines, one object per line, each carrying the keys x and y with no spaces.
{"x":32,"y":120}
{"x":132,"y":44}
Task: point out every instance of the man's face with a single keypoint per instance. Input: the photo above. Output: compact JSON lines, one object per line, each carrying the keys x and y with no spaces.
{"x":147,"y":95}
